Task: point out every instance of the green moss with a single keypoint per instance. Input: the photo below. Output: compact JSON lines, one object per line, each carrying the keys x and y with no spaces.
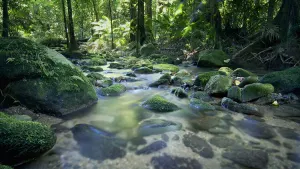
{"x":255,"y":91}
{"x":179,"y":92}
{"x":98,"y":61}
{"x":143,"y":70}
{"x":183,"y":73}
{"x":163,"y":80}
{"x":166,"y":67}
{"x":92,"y":68}
{"x":218,"y":85}
{"x":239,"y":72}
{"x":202,"y":79}
{"x":284,"y":81}
{"x":212,"y":58}
{"x":5,"y":167}
{"x":23,"y":140}
{"x":147,"y":50}
{"x":225,"y":71}
{"x":235,"y":93}
{"x":113,"y":90}
{"x":249,"y":80}
{"x":159,"y":104}
{"x":93,"y":77}
{"x":200,"y":105}
{"x":202,"y":96}
{"x":116,"y":66}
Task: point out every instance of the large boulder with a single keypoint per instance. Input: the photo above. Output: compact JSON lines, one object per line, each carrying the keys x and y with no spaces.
{"x":42,"y":79}
{"x":21,"y":141}
{"x":240,"y":108}
{"x":255,"y":91}
{"x":284,"y":81}
{"x":218,"y":85}
{"x":147,"y":50}
{"x":113,"y":90}
{"x":163,"y":80}
{"x":202,"y":79}
{"x":159,"y":104}
{"x":212,"y":58}
{"x":239,"y":72}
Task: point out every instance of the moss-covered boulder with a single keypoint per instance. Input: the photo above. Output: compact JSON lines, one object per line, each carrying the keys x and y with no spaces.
{"x":98,"y":61}
{"x":284,"y":81}
{"x":147,"y":50}
{"x":95,"y":76}
{"x":240,"y":108}
{"x":179,"y":92}
{"x":183,"y":73}
{"x":42,"y":79}
{"x":113,"y":90}
{"x":143,"y":70}
{"x":255,"y":91}
{"x":202,"y":79}
{"x":104,"y":83}
{"x":239,"y":72}
{"x":218,"y":85}
{"x":225,"y":71}
{"x":5,"y":167}
{"x":212,"y":58}
{"x":202,"y":96}
{"x":248,"y":80}
{"x":116,"y":65}
{"x":200,"y":105}
{"x":163,"y":80}
{"x":21,"y":141}
{"x":92,"y":68}
{"x":235,"y":93}
{"x":166,"y":67}
{"x":159,"y":104}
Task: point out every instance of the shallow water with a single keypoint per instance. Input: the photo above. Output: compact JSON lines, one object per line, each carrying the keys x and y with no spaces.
{"x":107,"y":135}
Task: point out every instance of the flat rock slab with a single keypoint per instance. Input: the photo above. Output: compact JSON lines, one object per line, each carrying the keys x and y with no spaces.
{"x":256,"y":129}
{"x":172,"y":162}
{"x":153,"y":147}
{"x":257,"y":159}
{"x":222,"y":142}
{"x":157,"y":126}
{"x":198,"y":145}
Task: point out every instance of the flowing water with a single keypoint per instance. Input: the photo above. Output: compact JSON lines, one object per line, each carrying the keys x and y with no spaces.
{"x":108,"y":135}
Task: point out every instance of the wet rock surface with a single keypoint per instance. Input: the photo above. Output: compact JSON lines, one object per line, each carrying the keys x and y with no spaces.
{"x":171,"y":162}
{"x":198,"y":145}
{"x":157,"y":126}
{"x":153,"y":147}
{"x":256,"y":129}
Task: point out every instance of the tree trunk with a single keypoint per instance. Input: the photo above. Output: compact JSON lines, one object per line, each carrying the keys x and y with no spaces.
{"x":5,"y":21}
{"x":65,"y":21}
{"x":95,"y":10}
{"x":141,"y":22}
{"x":111,"y":24}
{"x":271,"y":11}
{"x":133,"y":20}
{"x":149,"y":25}
{"x":73,"y":44}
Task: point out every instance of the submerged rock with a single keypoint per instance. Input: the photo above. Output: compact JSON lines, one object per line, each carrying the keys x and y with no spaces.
{"x":163,"y":80}
{"x":289,"y":133}
{"x":98,"y":144}
{"x":256,"y":129}
{"x":202,"y":96}
{"x":255,"y":91}
{"x":198,"y":145}
{"x":153,"y":147}
{"x":295,"y":157}
{"x":240,"y":108}
{"x":113,"y":90}
{"x":157,"y":126}
{"x":170,"y":162}
{"x":21,"y":141}
{"x":159,"y":104}
{"x":222,"y":142}
{"x":57,"y":88}
{"x":201,"y":105}
{"x":257,"y":159}
{"x":284,"y":81}
{"x":218,"y":85}
{"x":216,"y":58}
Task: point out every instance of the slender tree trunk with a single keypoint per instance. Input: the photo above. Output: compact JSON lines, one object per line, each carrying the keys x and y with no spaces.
{"x":149,"y":25}
{"x":65,"y":21}
{"x":141,"y":22}
{"x":5,"y":21}
{"x":111,"y":24}
{"x":133,"y":20}
{"x":95,"y":10}
{"x":73,"y":44}
{"x":271,"y":11}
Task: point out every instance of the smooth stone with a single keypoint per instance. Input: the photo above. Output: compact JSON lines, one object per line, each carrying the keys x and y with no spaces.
{"x":289,"y":133}
{"x":295,"y":157}
{"x":153,"y":147}
{"x":172,"y":162}
{"x":157,"y":126}
{"x":222,"y":142}
{"x":240,"y":108}
{"x":256,"y":129}
{"x":247,"y":157}
{"x":200,"y":105}
{"x":165,"y":137}
{"x":198,"y":145}
{"x":176,"y":138}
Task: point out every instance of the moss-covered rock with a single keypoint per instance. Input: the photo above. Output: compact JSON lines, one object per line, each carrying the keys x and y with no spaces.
{"x":143,"y":70}
{"x":202,"y":79}
{"x":200,"y":105}
{"x":98,"y":61}
{"x":49,"y":82}
{"x":240,"y":108}
{"x":284,"y":81}
{"x":255,"y":91}
{"x":183,"y":73}
{"x":92,"y":68}
{"x":235,"y":93}
{"x":21,"y":141}
{"x":147,"y":50}
{"x":113,"y":90}
{"x":104,"y":83}
{"x":159,"y":104}
{"x":163,"y":80}
{"x":218,"y":85}
{"x":212,"y":58}
{"x":179,"y":92}
{"x":239,"y":72}
{"x":95,"y":76}
{"x":166,"y":67}
{"x":225,"y":71}
{"x":5,"y":167}
{"x":248,"y":80}
{"x":116,"y":65}
{"x":202,"y":96}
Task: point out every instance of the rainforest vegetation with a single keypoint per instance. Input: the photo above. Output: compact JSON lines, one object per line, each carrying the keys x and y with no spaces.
{"x":150,"y":84}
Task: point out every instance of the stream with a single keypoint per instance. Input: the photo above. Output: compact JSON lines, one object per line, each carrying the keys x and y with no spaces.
{"x":110,"y":135}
